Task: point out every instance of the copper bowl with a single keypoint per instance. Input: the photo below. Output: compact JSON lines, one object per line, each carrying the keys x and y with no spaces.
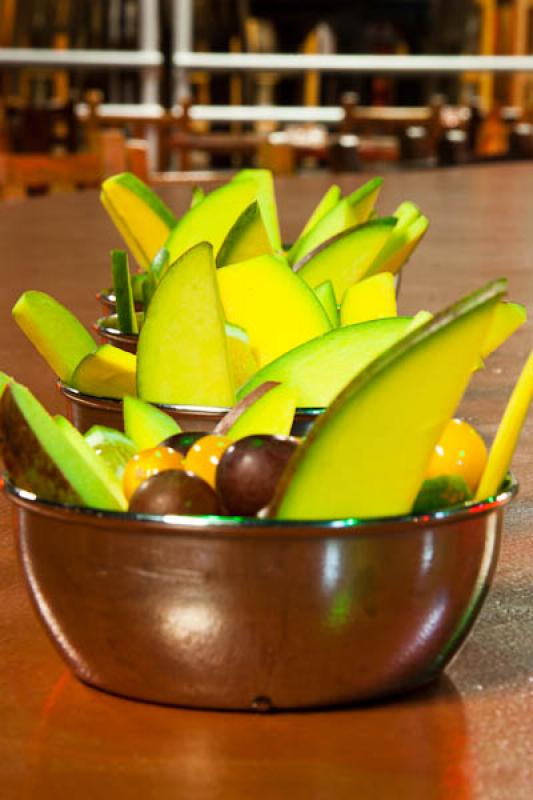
{"x":108,"y":301}
{"x":231,"y":613}
{"x":107,"y":330}
{"x":85,"y":410}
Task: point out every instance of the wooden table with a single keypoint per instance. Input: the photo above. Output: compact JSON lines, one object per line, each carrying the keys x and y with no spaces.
{"x":469,"y":736}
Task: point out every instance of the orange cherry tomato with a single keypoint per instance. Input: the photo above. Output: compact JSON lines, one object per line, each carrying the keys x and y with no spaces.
{"x":460,"y":451}
{"x":147,"y":463}
{"x":203,"y":457}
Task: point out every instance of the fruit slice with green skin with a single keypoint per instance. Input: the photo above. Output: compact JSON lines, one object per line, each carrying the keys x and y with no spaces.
{"x":246,"y":239}
{"x":327,"y":202}
{"x":211,"y":219}
{"x":100,"y":471}
{"x":352,"y":210}
{"x":137,"y":282}
{"x":112,"y":446}
{"x":507,"y":434}
{"x":243,"y":363}
{"x":345,"y":258}
{"x":159,"y":264}
{"x":145,"y":424}
{"x":40,"y":457}
{"x":276,"y":308}
{"x":367,"y":455}
{"x":59,"y":337}
{"x":319,"y":369}
{"x":108,"y":372}
{"x":326,"y":295}
{"x":141,"y":217}
{"x":197,"y":195}
{"x":231,"y":416}
{"x":266,"y":198}
{"x":443,"y":492}
{"x":182,"y":355}
{"x":272,"y":413}
{"x":508,"y":317}
{"x":4,"y":380}
{"x":127,"y":320}
{"x":399,"y":248}
{"x":372,"y":298}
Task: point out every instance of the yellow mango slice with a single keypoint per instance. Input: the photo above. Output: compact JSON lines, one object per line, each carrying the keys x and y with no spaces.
{"x":508,"y":317}
{"x":140,"y":216}
{"x":108,"y":372}
{"x":508,"y":432}
{"x":277,"y":309}
{"x":372,"y":298}
{"x":243,"y":362}
{"x":182,"y":355}
{"x":367,"y":454}
{"x":272,"y":414}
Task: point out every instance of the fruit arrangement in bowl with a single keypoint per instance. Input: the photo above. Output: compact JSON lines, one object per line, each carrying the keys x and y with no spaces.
{"x":221,"y":317}
{"x":249,"y":569}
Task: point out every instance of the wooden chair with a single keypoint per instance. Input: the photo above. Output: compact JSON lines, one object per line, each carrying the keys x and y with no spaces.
{"x":22,"y":174}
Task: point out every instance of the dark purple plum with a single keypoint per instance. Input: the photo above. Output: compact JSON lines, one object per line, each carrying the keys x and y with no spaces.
{"x":183,"y":441}
{"x":249,"y":471}
{"x":174,"y":491}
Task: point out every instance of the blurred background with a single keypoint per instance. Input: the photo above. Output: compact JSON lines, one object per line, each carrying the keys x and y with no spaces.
{"x":167,"y":88}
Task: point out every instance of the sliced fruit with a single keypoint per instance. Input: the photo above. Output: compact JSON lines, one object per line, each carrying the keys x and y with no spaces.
{"x":112,"y":446}
{"x":108,"y":372}
{"x":182,"y":352}
{"x":243,"y":362}
{"x":149,"y":287}
{"x":59,"y":337}
{"x":98,"y":467}
{"x":272,"y":413}
{"x":4,"y":380}
{"x":508,"y":432}
{"x":399,"y":248}
{"x":231,"y":417}
{"x":211,"y":219}
{"x":197,"y":195}
{"x":42,"y":458}
{"x":327,"y":202}
{"x":345,"y":258}
{"x":266,"y":198}
{"x":159,"y":264}
{"x":352,"y":210}
{"x":145,"y":424}
{"x":276,"y":308}
{"x":367,"y":454}
{"x":439,"y":493}
{"x":140,"y":216}
{"x":326,"y":295}
{"x":127,"y":320}
{"x":508,"y":317}
{"x":372,"y":298}
{"x":459,"y":451}
{"x":246,"y":239}
{"x":137,"y":282}
{"x":320,"y":368}
{"x":420,"y":318}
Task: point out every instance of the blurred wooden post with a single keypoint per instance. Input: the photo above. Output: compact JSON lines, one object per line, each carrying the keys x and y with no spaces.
{"x":93,"y":98}
{"x":520,"y":45}
{"x":112,"y":149}
{"x":136,"y":151}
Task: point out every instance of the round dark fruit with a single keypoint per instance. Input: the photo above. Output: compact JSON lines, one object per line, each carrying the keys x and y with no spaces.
{"x":249,"y":471}
{"x":174,"y":492}
{"x":183,"y":441}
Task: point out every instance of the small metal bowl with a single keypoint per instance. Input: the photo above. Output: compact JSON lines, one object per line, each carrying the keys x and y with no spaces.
{"x":108,"y":302}
{"x":231,"y":613}
{"x":85,"y":410}
{"x":107,"y":330}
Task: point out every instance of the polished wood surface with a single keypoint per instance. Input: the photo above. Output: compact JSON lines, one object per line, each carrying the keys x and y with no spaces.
{"x":468,"y":736}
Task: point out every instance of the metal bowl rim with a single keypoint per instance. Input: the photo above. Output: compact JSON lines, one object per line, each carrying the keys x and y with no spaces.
{"x":286,"y":528}
{"x":70,"y":391}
